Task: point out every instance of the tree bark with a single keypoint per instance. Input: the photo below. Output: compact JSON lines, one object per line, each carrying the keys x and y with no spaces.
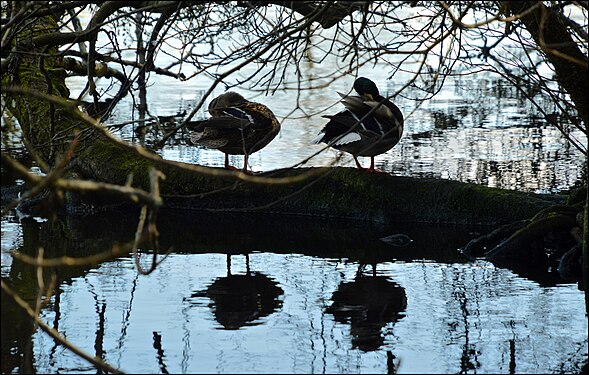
{"x":342,"y":193}
{"x":552,"y":36}
{"x":46,"y":128}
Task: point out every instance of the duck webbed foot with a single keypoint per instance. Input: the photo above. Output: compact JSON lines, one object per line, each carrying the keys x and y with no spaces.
{"x":232,"y":168}
{"x":370,"y":169}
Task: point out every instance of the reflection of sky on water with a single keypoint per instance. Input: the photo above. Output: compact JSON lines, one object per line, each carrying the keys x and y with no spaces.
{"x":456,"y":315}
{"x":11,"y":239}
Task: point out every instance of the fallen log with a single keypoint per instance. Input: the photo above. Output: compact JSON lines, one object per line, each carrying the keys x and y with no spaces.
{"x":338,"y":193}
{"x":348,"y":193}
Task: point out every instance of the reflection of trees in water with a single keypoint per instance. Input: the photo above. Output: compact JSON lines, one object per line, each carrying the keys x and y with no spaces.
{"x":523,"y":158}
{"x":241,"y":300}
{"x":481,"y":131}
{"x":17,"y":346}
{"x":368,"y":303}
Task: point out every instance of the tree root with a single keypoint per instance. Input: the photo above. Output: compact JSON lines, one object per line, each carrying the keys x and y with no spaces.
{"x":479,"y":246}
{"x":549,"y":240}
{"x":527,"y":244}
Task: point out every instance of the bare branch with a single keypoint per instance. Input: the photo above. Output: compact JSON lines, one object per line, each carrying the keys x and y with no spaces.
{"x":98,"y":362}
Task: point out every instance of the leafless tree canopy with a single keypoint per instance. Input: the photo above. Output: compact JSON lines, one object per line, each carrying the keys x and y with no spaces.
{"x":536,"y":47}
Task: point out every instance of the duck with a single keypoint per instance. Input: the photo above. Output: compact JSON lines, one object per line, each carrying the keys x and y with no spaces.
{"x":237,"y":127}
{"x":369,"y":125}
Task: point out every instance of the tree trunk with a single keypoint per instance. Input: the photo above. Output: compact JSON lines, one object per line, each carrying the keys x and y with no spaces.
{"x":47,"y":128}
{"x":552,"y":36}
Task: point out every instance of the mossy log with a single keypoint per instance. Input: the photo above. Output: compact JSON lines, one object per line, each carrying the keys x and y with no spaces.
{"x":339,"y":193}
{"x":45,"y":126}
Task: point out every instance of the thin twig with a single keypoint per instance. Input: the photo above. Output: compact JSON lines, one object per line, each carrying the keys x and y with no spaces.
{"x":98,"y":362}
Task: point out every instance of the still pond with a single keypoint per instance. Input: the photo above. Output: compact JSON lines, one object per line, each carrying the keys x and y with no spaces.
{"x":254,"y":294}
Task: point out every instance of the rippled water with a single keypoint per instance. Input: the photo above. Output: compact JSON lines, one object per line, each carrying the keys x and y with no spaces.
{"x":478,"y":318}
{"x":306,"y":297}
{"x":313,"y":296}
{"x":473,"y":131}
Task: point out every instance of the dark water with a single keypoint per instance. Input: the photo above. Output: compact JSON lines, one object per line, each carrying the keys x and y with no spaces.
{"x":254,"y":294}
{"x":243,"y":294}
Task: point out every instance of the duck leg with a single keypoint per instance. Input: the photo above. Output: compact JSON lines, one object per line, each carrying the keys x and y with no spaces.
{"x":245,"y":158}
{"x":371,"y":169}
{"x":227,"y":166}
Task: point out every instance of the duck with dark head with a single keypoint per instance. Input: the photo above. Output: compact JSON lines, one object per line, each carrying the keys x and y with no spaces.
{"x":369,"y":126}
{"x":237,"y":127}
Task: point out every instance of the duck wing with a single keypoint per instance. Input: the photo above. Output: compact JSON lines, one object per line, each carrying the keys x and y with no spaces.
{"x":217,"y":131}
{"x":359,"y":122}
{"x":359,"y":105}
{"x":354,"y":103}
{"x":381,"y":110}
{"x":342,"y":128}
{"x":379,"y":113}
{"x":228,"y":118}
{"x":260,"y":116}
{"x":253,"y":116}
{"x":221,"y":122}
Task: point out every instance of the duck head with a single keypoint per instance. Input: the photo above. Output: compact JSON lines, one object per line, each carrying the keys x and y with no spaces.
{"x":225,"y":100}
{"x":366,"y":88}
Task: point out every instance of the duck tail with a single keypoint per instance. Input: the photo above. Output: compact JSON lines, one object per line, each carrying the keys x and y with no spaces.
{"x":318,"y":139}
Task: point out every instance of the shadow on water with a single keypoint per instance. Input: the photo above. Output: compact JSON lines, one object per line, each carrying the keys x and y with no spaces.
{"x":369,"y":304}
{"x":189,"y":232}
{"x":196,"y":233}
{"x":17,"y":346}
{"x":241,"y":300}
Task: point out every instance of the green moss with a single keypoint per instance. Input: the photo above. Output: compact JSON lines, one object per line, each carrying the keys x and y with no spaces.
{"x":110,"y":163}
{"x":34,"y":114}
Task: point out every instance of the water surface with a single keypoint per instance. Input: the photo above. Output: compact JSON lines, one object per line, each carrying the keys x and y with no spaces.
{"x":252,"y":294}
{"x":243,"y":294}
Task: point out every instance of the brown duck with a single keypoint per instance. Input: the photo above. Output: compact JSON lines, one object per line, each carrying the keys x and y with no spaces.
{"x":237,"y":127}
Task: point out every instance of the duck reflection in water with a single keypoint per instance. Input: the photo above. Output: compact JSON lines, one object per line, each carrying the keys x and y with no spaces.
{"x":241,"y":300}
{"x":368,"y":303}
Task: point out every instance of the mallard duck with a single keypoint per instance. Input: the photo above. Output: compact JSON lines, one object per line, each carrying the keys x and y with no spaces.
{"x":237,"y":127}
{"x":369,"y":126}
